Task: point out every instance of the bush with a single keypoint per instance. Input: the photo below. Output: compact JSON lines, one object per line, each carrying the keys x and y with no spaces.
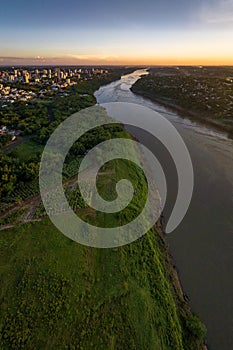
{"x":196,"y":327}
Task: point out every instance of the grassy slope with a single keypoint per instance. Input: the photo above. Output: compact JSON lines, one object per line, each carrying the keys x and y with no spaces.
{"x":57,"y":294}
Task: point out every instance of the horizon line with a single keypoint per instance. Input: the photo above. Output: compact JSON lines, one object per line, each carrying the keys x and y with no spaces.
{"x":118,"y":65}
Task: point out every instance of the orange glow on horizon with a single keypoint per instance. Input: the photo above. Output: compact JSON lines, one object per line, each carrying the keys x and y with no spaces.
{"x":135,"y":61}
{"x":178,"y":61}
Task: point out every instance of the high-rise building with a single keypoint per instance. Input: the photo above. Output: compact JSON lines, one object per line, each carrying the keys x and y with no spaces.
{"x":26,"y":78}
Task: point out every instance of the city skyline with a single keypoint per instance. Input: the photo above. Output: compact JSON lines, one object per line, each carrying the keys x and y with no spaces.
{"x":86,"y":33}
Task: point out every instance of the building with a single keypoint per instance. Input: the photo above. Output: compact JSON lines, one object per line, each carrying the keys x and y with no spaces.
{"x":26,"y":78}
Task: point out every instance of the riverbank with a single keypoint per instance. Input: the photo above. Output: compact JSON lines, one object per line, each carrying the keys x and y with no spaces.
{"x":182,"y":299}
{"x":90,"y":298}
{"x":64,"y":295}
{"x":205,"y":235}
{"x":183,"y":112}
{"x":192,"y":327}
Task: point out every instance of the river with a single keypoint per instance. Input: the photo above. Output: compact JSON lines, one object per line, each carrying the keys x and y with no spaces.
{"x":202,"y":245}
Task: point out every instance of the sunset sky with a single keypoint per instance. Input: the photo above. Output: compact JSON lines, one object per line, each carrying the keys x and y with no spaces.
{"x":147,"y":32}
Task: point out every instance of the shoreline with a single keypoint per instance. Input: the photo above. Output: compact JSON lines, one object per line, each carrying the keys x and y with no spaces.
{"x":182,"y":299}
{"x":185,"y":114}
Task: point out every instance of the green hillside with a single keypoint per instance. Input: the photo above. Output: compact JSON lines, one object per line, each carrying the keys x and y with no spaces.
{"x":57,"y":294}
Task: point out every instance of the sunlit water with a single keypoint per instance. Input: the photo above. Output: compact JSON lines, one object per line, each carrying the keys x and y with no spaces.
{"x":202,"y":246}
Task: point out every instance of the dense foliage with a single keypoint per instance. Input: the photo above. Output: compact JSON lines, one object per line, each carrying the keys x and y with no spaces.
{"x":205,"y":93}
{"x":37,"y":119}
{"x":57,"y":294}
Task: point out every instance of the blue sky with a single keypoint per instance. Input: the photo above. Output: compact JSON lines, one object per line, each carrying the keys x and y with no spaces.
{"x":125,"y":31}
{"x":71,"y":13}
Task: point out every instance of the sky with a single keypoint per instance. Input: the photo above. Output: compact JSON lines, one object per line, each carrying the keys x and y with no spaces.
{"x":145,"y":32}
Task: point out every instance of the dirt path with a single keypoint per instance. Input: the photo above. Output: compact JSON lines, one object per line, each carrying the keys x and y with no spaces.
{"x":13,"y":144}
{"x":33,"y":202}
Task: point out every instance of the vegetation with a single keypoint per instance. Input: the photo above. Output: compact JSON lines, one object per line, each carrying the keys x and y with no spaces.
{"x":4,"y":139}
{"x":57,"y":294}
{"x":15,"y":175}
{"x":37,"y":119}
{"x":205,"y":93}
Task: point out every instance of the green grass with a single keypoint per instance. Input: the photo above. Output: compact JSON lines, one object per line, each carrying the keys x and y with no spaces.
{"x":57,"y":294}
{"x":27,"y":150}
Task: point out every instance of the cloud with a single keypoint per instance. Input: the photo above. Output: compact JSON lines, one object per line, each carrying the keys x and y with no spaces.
{"x":69,"y":59}
{"x":86,"y":57}
{"x":14,"y":60}
{"x":92,"y":58}
{"x":5,"y":58}
{"x":217,"y":12}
